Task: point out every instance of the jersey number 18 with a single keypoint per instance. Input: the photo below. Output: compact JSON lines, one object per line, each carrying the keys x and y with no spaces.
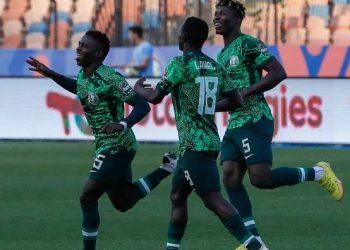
{"x":208,"y":87}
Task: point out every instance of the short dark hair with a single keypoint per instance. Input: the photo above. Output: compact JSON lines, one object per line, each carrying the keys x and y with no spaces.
{"x":196,"y":31}
{"x":137,"y":29}
{"x":101,"y":38}
{"x":234,"y":5}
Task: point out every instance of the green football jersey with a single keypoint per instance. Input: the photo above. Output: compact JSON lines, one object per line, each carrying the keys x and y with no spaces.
{"x":243,"y":59}
{"x":195,"y":82}
{"x":103,"y":95}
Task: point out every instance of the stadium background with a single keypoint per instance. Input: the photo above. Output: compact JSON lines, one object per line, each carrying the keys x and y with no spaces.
{"x":40,"y":181}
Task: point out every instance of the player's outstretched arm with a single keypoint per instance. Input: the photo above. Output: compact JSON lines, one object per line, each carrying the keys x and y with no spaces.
{"x":65,"y":82}
{"x":233,"y":100}
{"x":153,"y":96}
{"x":275,"y":75}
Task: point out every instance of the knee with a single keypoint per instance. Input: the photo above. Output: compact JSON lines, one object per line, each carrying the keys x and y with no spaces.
{"x":260,"y":180}
{"x":120,"y":206}
{"x":176,"y":198}
{"x":232,"y":174}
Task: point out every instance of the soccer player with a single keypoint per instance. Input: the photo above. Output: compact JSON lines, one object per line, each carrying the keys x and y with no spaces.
{"x":195,"y":82}
{"x":247,"y":141}
{"x":103,"y":92}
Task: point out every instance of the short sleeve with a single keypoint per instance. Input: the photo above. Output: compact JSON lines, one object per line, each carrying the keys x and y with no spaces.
{"x":172,"y":77}
{"x":256,"y":51}
{"x":120,"y":88}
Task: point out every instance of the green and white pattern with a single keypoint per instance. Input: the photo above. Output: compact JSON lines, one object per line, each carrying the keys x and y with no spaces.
{"x":103,"y":95}
{"x":195,"y":82}
{"x":243,"y":59}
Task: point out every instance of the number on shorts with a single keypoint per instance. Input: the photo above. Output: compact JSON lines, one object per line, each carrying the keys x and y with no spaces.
{"x":98,"y":161}
{"x":246,"y":146}
{"x":188,"y":177}
{"x":208,"y":87}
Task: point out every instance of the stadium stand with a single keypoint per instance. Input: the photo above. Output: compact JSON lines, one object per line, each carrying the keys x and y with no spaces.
{"x":48,"y":24}
{"x":340,"y":22}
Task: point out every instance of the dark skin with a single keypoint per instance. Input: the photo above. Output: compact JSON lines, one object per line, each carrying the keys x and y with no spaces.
{"x":228,"y":24}
{"x":89,"y":57}
{"x":213,"y":200}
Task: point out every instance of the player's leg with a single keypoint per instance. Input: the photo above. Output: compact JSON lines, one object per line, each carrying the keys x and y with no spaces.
{"x":178,"y":196}
{"x":202,"y":174}
{"x":92,"y":191}
{"x":234,"y":169}
{"x":102,"y":174}
{"x":178,"y":217}
{"x":124,"y":194}
{"x":256,"y":146}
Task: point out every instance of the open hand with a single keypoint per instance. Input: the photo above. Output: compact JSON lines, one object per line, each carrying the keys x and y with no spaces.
{"x":112,"y":128}
{"x":38,"y":67}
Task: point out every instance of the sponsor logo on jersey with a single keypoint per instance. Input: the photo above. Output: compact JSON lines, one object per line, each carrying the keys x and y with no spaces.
{"x":234,"y":61}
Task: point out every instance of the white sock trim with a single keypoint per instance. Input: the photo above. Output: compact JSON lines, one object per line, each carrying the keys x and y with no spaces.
{"x":249,"y":223}
{"x":145,"y":186}
{"x":259,"y":239}
{"x":89,"y":234}
{"x":246,"y":243}
{"x":319,"y":172}
{"x":302,"y":172}
{"x":172,"y":245}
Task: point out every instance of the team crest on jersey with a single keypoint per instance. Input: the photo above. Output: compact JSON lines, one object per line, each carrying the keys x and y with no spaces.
{"x":93,"y":99}
{"x":234,"y":61}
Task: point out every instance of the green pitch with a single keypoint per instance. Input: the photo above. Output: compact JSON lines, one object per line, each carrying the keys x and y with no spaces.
{"x":40,"y":185}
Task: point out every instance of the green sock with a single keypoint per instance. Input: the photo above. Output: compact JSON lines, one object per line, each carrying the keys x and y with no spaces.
{"x":291,"y":176}
{"x":134,"y":192}
{"x":175,"y":234}
{"x":306,"y":174}
{"x":91,"y":221}
{"x":236,"y":227}
{"x":240,"y":200}
{"x":148,"y":183}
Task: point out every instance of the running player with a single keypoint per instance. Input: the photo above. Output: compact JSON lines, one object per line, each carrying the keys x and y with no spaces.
{"x":103,"y":92}
{"x":247,"y":141}
{"x":195,"y":82}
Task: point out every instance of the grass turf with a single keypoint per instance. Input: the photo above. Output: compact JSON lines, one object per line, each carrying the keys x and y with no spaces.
{"x":40,"y":183}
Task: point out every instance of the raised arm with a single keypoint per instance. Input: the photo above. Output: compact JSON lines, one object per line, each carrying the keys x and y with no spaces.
{"x":275,"y":75}
{"x":153,"y":96}
{"x":65,"y":82}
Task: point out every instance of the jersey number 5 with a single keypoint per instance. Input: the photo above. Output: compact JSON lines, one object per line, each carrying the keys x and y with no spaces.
{"x":208,"y":87}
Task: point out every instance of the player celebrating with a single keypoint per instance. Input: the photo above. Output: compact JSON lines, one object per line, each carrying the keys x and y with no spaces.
{"x":247,"y":141}
{"x":195,"y":82}
{"x":103,"y":93}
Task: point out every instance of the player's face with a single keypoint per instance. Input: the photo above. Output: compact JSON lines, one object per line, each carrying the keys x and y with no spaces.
{"x":88,"y":51}
{"x":225,"y":20}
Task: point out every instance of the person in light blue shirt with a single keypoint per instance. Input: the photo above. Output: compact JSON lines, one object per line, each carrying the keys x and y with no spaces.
{"x":142,"y":54}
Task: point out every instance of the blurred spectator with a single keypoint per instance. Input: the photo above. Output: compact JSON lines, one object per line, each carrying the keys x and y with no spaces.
{"x":141,"y":64}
